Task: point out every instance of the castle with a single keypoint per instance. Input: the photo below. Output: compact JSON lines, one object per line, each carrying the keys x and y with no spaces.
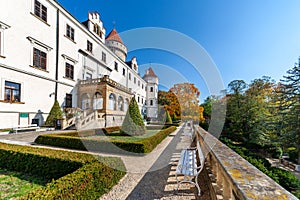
{"x":46,"y":54}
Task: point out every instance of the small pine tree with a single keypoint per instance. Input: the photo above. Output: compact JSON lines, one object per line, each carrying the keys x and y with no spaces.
{"x":54,"y":114}
{"x":133,"y":123}
{"x":168,"y":118}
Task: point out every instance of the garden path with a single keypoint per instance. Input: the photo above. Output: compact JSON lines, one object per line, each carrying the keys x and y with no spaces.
{"x":148,"y":177}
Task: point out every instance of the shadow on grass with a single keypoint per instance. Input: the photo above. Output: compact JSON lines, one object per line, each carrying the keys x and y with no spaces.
{"x":23,"y":176}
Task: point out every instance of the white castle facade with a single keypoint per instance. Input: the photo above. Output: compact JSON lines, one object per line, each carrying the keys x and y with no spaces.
{"x":47,"y":54}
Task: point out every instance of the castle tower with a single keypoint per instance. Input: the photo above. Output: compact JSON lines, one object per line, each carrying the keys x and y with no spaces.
{"x":116,"y":45}
{"x":151,"y":93}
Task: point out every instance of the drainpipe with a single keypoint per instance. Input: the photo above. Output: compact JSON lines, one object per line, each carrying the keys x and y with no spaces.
{"x":57,"y":52}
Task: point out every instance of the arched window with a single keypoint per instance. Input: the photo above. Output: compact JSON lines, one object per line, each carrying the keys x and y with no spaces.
{"x":120,"y":104}
{"x":112,"y":102}
{"x":85,"y":101}
{"x":126,"y":103}
{"x":98,"y":101}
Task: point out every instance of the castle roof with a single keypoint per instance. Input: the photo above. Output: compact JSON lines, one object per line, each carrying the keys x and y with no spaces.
{"x":114,"y":35}
{"x":150,"y":73}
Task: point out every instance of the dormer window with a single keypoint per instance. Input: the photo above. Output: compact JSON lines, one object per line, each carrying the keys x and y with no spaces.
{"x":97,"y":30}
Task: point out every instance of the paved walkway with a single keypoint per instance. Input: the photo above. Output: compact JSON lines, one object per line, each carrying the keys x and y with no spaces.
{"x":148,"y":177}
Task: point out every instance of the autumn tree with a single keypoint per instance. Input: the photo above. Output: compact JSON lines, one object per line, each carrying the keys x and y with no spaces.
{"x":188,"y":99}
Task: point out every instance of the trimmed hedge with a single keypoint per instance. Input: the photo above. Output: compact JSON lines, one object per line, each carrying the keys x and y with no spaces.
{"x":145,"y":145}
{"x":70,"y":175}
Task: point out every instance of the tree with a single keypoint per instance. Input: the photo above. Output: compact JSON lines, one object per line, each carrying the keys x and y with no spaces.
{"x":133,"y":123}
{"x":291,"y":107}
{"x":235,"y":123}
{"x":187,"y":95}
{"x":55,"y":113}
{"x":168,"y":118}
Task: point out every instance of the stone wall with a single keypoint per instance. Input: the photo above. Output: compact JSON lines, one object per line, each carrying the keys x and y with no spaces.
{"x":232,"y":177}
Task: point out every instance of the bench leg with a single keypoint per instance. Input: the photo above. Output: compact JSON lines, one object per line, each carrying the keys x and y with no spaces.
{"x":189,"y":181}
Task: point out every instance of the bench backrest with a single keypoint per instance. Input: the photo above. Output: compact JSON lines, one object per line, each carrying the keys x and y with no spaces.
{"x":201,"y":157}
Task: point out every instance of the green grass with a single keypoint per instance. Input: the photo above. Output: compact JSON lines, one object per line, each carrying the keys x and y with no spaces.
{"x":16,"y":184}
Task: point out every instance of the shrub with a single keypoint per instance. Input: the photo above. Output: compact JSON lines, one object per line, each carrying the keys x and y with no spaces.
{"x":133,"y":123}
{"x":73,"y":175}
{"x":168,"y":118}
{"x":145,"y":145}
{"x":55,"y":113}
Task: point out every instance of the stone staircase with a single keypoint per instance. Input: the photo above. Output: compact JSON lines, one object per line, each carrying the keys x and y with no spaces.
{"x":80,"y":120}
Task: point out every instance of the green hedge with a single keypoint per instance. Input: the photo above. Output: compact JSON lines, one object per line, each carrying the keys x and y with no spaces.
{"x":142,"y":146}
{"x":70,"y":175}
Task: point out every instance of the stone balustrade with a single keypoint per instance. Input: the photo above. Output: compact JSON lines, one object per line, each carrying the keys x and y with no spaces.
{"x":107,"y":80}
{"x":232,"y":177}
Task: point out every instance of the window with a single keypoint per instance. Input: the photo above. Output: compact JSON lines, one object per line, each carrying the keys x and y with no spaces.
{"x":98,"y":101}
{"x":85,"y":102}
{"x":97,"y":30}
{"x":126,"y":103}
{"x":88,"y":76}
{"x":134,"y":80}
{"x":151,"y":89}
{"x":129,"y":76}
{"x":12,"y":92}
{"x":103,"y":57}
{"x":70,"y":32}
{"x":112,"y":102}
{"x":40,"y":10}
{"x":69,"y":71}
{"x":138,"y":99}
{"x":68,"y":101}
{"x":89,"y":47}
{"x":142,"y":100}
{"x":142,"y":86}
{"x":139,"y":83}
{"x":123,"y":71}
{"x":151,"y":102}
{"x":120,"y":104}
{"x":39,"y":59}
{"x":116,"y":66}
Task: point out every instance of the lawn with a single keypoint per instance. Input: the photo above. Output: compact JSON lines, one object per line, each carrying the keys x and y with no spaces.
{"x":16,"y":184}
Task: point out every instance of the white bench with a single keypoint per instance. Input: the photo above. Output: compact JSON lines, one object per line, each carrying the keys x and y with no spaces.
{"x":188,"y":167}
{"x":26,"y":128}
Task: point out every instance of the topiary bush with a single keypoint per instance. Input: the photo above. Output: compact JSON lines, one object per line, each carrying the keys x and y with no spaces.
{"x":168,"y":118}
{"x":55,"y":113}
{"x":145,"y":145}
{"x":133,"y":123}
{"x":70,"y":175}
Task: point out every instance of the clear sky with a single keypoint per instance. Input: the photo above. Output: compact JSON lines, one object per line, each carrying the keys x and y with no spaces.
{"x":245,"y":39}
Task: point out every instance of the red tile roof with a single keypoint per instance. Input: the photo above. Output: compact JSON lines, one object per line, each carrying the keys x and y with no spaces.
{"x":114,"y":35}
{"x":150,"y":72}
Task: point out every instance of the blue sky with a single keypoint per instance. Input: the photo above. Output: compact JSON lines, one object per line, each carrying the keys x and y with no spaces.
{"x":245,"y":39}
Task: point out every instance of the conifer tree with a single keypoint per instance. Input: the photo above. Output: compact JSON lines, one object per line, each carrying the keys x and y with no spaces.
{"x":55,"y":113}
{"x":133,"y":123}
